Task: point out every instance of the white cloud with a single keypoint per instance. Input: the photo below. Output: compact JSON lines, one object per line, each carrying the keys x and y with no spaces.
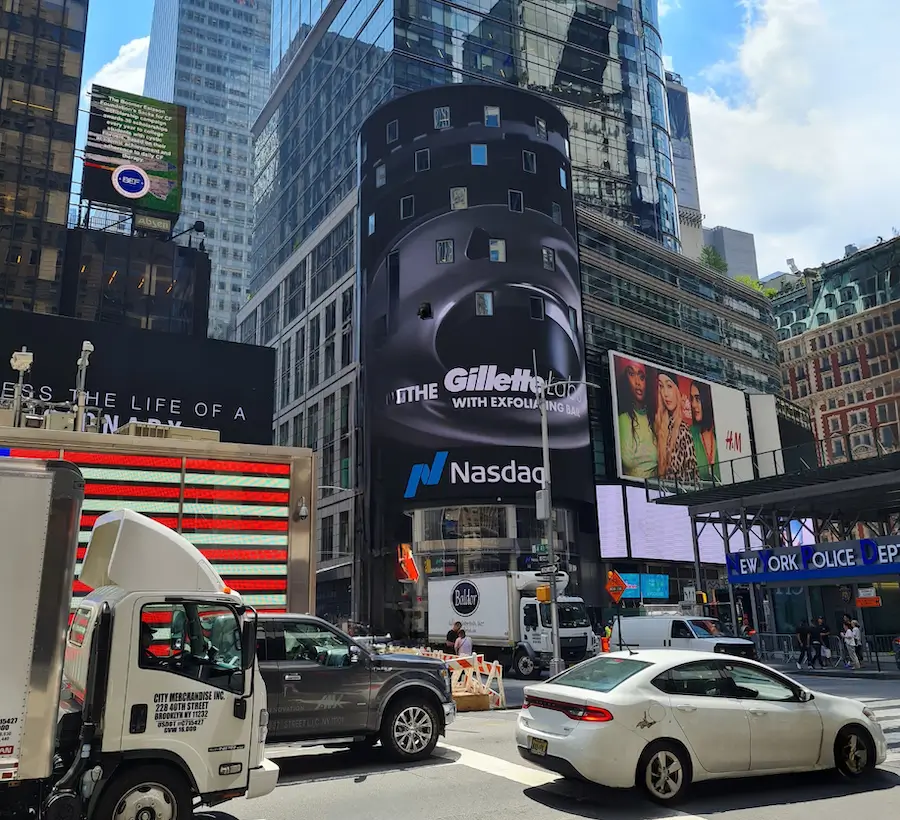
{"x":668,"y":62}
{"x":125,"y":72}
{"x":798,"y":144}
{"x":665,"y":6}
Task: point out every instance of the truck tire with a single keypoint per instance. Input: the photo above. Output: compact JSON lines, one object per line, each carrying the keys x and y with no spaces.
{"x":525,"y":666}
{"x":162,"y":789}
{"x":410,"y":729}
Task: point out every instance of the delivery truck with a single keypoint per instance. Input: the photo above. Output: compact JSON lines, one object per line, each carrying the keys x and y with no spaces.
{"x":502,"y":615}
{"x":150,"y":702}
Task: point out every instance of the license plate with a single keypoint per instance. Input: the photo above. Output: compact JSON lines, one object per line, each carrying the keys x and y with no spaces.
{"x":538,"y":746}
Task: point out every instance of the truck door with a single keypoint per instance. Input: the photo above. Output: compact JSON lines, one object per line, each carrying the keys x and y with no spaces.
{"x":183,"y":680}
{"x":323,"y":687}
{"x":531,"y":625}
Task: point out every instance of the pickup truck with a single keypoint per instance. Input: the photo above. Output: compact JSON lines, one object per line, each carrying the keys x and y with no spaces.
{"x":325,"y":689}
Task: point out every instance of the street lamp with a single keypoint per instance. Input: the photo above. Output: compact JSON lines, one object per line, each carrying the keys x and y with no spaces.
{"x":21,"y":362}
{"x":544,"y":510}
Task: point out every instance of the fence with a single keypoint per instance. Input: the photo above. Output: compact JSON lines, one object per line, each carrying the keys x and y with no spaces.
{"x":878,"y":651}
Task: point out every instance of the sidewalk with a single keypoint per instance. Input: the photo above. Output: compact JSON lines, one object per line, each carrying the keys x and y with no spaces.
{"x":867,"y":673}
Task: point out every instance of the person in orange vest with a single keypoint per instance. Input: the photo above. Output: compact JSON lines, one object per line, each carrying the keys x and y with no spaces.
{"x":604,"y":638}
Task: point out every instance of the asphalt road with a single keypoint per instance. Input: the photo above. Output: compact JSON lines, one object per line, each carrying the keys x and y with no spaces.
{"x":478,"y":775}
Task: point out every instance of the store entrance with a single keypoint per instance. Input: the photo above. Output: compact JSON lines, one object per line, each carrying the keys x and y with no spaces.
{"x":832,"y":603}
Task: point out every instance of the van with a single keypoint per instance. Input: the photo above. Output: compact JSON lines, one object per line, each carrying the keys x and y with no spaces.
{"x":678,"y":632}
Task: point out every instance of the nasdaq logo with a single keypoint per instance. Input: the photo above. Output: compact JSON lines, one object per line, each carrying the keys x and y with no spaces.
{"x":425,"y":475}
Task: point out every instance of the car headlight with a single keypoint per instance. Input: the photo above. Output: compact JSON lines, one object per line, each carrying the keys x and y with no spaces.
{"x":445,"y":674}
{"x":870,"y":714}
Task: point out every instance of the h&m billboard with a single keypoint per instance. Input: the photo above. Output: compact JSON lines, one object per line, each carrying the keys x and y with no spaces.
{"x":144,"y":375}
{"x":471,"y":298}
{"x":671,"y":426}
{"x":134,"y":157}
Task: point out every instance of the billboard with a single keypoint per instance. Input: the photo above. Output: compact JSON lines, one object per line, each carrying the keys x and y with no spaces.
{"x":675,"y":427}
{"x":134,"y":157}
{"x":470,"y":299}
{"x":145,"y":375}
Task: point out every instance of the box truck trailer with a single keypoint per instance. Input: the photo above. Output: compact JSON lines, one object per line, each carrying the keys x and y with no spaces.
{"x":502,"y":615}
{"x":150,"y":702}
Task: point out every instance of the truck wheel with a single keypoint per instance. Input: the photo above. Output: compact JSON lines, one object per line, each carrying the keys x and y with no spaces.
{"x":525,"y":667}
{"x":409,"y":730}
{"x":146,"y":792}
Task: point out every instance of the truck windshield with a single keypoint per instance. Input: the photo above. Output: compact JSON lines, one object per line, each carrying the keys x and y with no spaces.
{"x":571,"y":615}
{"x":707,"y":628}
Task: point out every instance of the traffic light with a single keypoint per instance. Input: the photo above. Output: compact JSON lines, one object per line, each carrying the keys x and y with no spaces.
{"x":700,"y":598}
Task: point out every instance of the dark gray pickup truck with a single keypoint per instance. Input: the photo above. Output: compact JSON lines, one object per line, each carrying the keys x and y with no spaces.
{"x":325,"y":689}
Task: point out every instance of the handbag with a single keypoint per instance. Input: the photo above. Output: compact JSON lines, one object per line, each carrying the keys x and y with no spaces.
{"x":826,"y":652}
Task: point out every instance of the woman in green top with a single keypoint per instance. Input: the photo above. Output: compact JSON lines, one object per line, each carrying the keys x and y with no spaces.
{"x":637,"y":444}
{"x":703,"y":432}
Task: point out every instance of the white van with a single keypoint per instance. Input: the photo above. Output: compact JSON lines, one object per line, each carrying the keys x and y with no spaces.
{"x":678,"y":632}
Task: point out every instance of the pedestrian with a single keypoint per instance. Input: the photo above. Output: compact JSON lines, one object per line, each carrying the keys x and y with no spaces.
{"x":463,"y":643}
{"x":819,"y":641}
{"x":849,"y":639}
{"x":804,"y":633}
{"x":857,"y":641}
{"x":452,"y":635}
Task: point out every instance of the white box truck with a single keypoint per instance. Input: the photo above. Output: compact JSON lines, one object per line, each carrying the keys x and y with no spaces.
{"x":149,"y":702}
{"x":506,"y":622}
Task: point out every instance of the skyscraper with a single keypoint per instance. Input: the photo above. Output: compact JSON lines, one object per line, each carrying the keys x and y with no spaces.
{"x":690,"y":215}
{"x":213,"y":58}
{"x":41,"y":52}
{"x":737,"y":248}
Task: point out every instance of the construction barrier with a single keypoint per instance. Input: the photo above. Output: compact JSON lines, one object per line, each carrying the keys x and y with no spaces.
{"x":472,"y":678}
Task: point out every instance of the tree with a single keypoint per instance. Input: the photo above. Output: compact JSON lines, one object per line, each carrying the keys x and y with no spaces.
{"x":711,"y":257}
{"x":770,"y":293}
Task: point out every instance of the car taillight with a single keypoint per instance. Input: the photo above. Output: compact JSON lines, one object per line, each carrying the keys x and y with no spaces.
{"x":588,"y":714}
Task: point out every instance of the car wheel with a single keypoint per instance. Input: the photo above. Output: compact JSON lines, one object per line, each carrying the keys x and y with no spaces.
{"x":160,"y":792}
{"x":525,"y":666}
{"x":854,"y":752}
{"x":410,"y":730}
{"x":664,"y":773}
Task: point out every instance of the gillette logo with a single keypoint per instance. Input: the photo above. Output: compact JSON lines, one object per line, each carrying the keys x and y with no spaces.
{"x":429,"y":475}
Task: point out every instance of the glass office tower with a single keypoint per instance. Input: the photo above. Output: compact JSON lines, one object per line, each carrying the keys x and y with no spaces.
{"x":599,"y":60}
{"x":41,"y":51}
{"x":213,"y":58}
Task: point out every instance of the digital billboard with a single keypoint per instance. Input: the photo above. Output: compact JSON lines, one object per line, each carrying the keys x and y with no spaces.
{"x":145,"y":375}
{"x":470,"y":298}
{"x":134,"y":156}
{"x":675,"y":427}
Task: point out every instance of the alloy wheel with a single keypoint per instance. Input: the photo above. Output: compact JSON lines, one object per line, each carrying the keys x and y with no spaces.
{"x":855,"y":753}
{"x":664,"y":775}
{"x":413,"y":729}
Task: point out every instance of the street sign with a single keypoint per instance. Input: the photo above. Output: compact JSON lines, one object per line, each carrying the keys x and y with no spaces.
{"x":868,"y":603}
{"x":615,"y":586}
{"x":867,"y":592}
{"x":539,"y":549}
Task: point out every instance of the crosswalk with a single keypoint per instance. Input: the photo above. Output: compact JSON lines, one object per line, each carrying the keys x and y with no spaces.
{"x":887,"y":712}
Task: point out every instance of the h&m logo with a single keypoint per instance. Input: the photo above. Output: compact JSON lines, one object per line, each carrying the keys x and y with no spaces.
{"x":423,"y":474}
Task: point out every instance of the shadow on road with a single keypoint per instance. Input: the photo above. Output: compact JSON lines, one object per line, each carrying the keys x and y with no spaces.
{"x":590,"y":801}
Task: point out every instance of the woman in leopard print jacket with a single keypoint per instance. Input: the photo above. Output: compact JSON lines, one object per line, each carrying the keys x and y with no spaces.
{"x":677,"y":459}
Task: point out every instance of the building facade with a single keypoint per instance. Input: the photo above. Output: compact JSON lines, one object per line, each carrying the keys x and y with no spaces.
{"x":41,"y":53}
{"x":213,"y":58}
{"x":839,"y":345}
{"x":737,"y":248}
{"x":600,"y":62}
{"x":690,"y":214}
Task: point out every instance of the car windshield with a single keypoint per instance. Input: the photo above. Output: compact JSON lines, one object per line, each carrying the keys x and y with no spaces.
{"x":571,"y":615}
{"x":600,"y":674}
{"x":707,"y":628}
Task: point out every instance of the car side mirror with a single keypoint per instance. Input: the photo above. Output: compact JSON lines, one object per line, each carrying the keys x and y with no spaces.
{"x":805,"y":696}
{"x":355,"y":654}
{"x":248,"y":643}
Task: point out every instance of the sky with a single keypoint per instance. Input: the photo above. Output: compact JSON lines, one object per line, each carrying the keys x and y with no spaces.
{"x":792,"y":104}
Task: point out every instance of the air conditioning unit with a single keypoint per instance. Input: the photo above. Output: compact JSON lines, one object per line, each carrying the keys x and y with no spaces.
{"x":143,"y":429}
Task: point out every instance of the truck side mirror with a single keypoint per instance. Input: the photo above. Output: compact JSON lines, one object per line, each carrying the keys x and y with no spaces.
{"x":248,"y":643}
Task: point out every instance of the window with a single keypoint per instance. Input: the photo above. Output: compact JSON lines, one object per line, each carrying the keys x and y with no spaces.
{"x":459,"y":199}
{"x":423,"y":160}
{"x":492,"y":116}
{"x":515,"y":201}
{"x":497,"y":250}
{"x":371,"y":224}
{"x":407,"y":207}
{"x":548,"y":256}
{"x":478,"y":154}
{"x":443,"y":251}
{"x":834,"y":424}
{"x":529,"y":162}
{"x":316,"y":644}
{"x":537,"y":307}
{"x":484,"y":303}
{"x":563,"y":183}
{"x":701,"y":679}
{"x":380,"y":175}
{"x":442,"y":117}
{"x":573,"y":319}
{"x":80,"y":624}
{"x":540,"y":128}
{"x":556,"y":213}
{"x":756,"y":684}
{"x":182,"y":648}
{"x":601,"y":674}
{"x":393,"y":131}
{"x":681,"y":630}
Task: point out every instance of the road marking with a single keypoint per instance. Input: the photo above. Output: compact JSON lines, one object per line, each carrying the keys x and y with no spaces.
{"x":501,"y":768}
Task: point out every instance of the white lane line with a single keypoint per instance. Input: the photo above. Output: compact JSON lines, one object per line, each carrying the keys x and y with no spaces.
{"x":498,"y":767}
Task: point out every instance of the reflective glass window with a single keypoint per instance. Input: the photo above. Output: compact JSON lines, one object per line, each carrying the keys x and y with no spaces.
{"x":479,"y":154}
